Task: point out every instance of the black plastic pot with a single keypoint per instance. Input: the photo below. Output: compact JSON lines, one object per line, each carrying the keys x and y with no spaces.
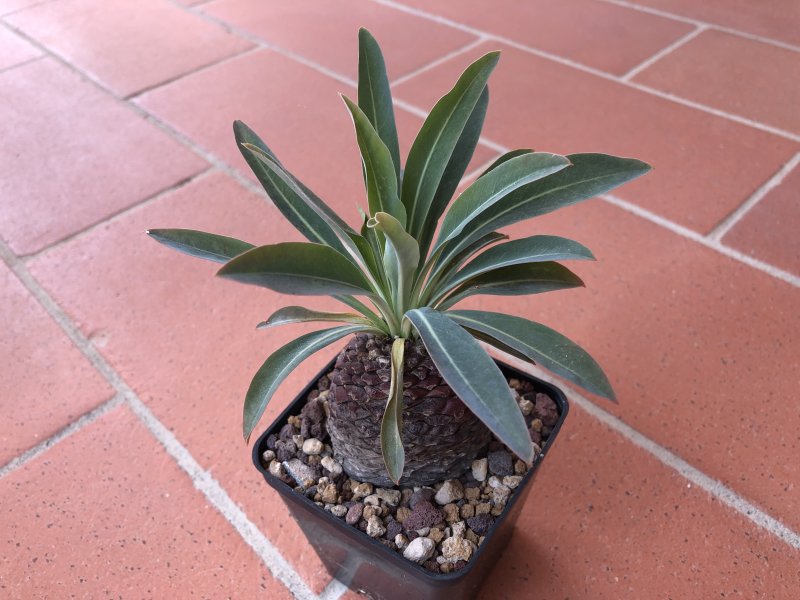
{"x":364,"y":564}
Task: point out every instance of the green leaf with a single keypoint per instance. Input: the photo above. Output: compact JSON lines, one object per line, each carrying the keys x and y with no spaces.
{"x":300,"y":314}
{"x":375,"y":96}
{"x":392,"y":424}
{"x":299,"y":268}
{"x":516,"y":280}
{"x":542,"y":344}
{"x":537,"y":248}
{"x":279,"y":365}
{"x":454,"y":171}
{"x":589,"y":175}
{"x":296,"y":202}
{"x":401,"y":257}
{"x":474,"y":377}
{"x":491,"y":189}
{"x":435,"y":143}
{"x":381,"y":176}
{"x":210,"y":246}
{"x":505,"y":158}
{"x":346,"y":239}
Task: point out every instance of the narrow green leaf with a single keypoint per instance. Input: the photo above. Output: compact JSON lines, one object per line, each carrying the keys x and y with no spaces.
{"x":487,"y":339}
{"x":375,"y":96}
{"x":299,"y":268}
{"x":300,"y":314}
{"x":362,"y":308}
{"x":381,"y":176}
{"x":491,"y":189}
{"x":279,"y":365}
{"x":516,"y":280}
{"x":454,"y":171}
{"x":301,"y":207}
{"x":505,"y":158}
{"x":401,"y":257}
{"x":537,"y":248}
{"x":346,"y":239}
{"x":589,"y":175}
{"x":434,"y":145}
{"x":392,"y":424}
{"x":542,"y":344}
{"x":474,"y":377}
{"x":210,"y":246}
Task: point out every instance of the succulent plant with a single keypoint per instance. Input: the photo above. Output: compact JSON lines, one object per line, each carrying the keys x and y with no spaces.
{"x":415,"y":381}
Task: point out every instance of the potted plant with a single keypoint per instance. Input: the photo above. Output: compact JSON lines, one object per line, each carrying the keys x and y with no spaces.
{"x":414,"y":399}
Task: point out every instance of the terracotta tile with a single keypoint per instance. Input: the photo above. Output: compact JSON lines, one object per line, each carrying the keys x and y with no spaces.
{"x":779,"y":19}
{"x":698,"y":177}
{"x":108,"y":513}
{"x":745,"y":77}
{"x":295,"y":109}
{"x":186,"y":341}
{"x":699,"y":348}
{"x":605,"y":520}
{"x":604,"y":36}
{"x":327,"y":32}
{"x":769,"y":230}
{"x":97,"y":156}
{"x":128,"y":47}
{"x":45,"y":382}
{"x":14,"y":49}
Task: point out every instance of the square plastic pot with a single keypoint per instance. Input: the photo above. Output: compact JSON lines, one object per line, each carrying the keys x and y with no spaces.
{"x":367,"y":566}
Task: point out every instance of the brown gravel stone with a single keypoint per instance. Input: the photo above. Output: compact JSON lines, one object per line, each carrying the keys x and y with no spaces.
{"x":402,"y":514}
{"x":483,"y":508}
{"x":354,"y":513}
{"x":467,"y":511}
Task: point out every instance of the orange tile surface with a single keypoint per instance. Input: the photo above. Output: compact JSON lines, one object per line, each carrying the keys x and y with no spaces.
{"x":581,"y":112}
{"x":323,"y":31}
{"x":600,"y":35}
{"x":128,"y":46}
{"x":72,"y":156}
{"x":737,"y":75}
{"x":126,"y":522}
{"x":698,"y":340}
{"x":769,"y":230}
{"x":45,"y":382}
{"x":778,"y":20}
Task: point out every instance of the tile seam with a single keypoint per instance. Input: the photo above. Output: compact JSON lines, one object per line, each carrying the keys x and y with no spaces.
{"x":117,"y":215}
{"x":666,"y":51}
{"x":692,"y":235}
{"x":593,"y":71}
{"x":202,"y":480}
{"x":435,"y":63}
{"x":21,"y":64}
{"x":699,"y":22}
{"x":695,"y":476}
{"x":71,"y":428}
{"x":716,"y":234}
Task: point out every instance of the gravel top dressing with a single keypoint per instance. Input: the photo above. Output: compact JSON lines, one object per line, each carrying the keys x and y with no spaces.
{"x":438,"y":527}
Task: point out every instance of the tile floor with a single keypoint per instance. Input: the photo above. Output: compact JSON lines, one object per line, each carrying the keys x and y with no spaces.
{"x":122,"y":471}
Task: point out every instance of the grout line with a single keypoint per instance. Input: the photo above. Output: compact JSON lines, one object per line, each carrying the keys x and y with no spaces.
{"x":21,"y":64}
{"x":728,"y":223}
{"x":333,"y":591}
{"x":700,"y":239}
{"x":25,"y":258}
{"x":442,"y":59}
{"x":713,"y":486}
{"x":214,"y":493}
{"x":664,"y":52}
{"x":591,"y":70}
{"x":73,"y":427}
{"x":699,"y":23}
{"x":225,"y":59}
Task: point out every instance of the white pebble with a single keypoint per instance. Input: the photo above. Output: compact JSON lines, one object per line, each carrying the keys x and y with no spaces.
{"x":330,"y":465}
{"x":375,"y":527}
{"x":480,"y":468}
{"x":312,"y":446}
{"x":419,"y":550}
